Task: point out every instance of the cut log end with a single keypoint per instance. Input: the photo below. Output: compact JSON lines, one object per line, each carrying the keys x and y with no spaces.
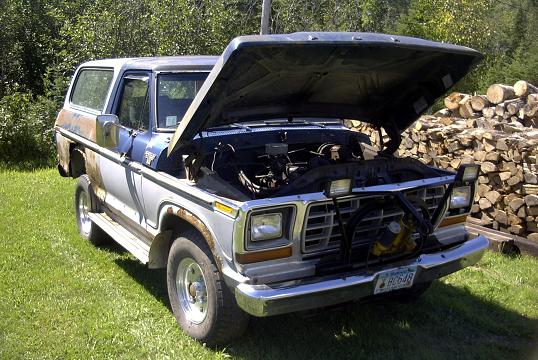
{"x":497,"y":93}
{"x":452,"y":101}
{"x":523,"y":88}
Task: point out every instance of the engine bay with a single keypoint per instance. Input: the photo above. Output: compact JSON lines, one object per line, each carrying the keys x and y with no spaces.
{"x":265,"y":164}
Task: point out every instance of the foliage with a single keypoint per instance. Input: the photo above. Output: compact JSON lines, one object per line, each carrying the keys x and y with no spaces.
{"x":26,"y":132}
{"x":42,"y":41}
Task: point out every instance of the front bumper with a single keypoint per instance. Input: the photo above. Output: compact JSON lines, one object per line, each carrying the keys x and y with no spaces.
{"x":264,"y":300}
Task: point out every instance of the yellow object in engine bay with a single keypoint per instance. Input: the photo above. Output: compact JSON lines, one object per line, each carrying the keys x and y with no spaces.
{"x":402,"y":242}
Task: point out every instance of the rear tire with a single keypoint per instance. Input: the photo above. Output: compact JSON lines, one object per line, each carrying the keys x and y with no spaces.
{"x":86,"y":202}
{"x":202,"y":303}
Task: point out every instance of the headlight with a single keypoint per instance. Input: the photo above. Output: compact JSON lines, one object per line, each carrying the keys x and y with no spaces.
{"x":461,"y":197}
{"x":265,"y":226}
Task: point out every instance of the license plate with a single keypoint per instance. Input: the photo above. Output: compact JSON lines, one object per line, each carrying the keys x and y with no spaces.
{"x":395,"y":279}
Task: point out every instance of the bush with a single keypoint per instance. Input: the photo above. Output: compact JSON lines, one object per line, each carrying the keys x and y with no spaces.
{"x":26,"y":130}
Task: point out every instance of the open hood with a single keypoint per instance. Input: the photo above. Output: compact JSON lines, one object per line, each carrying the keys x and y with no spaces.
{"x":386,"y":80}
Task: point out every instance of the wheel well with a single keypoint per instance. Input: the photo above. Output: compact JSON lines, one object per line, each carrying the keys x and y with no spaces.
{"x":77,"y":162}
{"x":172,"y":226}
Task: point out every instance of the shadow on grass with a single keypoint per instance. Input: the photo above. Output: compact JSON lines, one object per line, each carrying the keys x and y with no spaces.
{"x":153,"y":280}
{"x":446,"y":323}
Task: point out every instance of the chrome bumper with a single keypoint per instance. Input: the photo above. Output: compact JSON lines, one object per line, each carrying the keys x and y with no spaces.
{"x":264,"y":300}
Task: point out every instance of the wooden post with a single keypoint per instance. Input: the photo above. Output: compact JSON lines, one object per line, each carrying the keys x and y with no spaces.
{"x":266,"y":12}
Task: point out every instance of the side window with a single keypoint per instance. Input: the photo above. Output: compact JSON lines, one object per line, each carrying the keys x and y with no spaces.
{"x":91,"y":88}
{"x":133,"y":111}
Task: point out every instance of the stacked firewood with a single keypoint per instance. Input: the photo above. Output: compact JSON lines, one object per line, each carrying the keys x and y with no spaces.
{"x":515,"y":106}
{"x":498,"y":131}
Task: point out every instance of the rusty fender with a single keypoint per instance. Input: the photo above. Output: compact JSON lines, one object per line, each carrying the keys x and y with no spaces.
{"x":201,"y":227}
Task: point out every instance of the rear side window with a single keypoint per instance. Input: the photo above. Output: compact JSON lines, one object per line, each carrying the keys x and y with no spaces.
{"x":91,"y":88}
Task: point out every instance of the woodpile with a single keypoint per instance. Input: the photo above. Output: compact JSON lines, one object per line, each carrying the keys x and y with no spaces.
{"x":498,"y":131}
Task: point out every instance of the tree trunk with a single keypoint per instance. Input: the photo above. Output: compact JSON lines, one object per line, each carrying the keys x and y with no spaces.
{"x":479,"y":102}
{"x":497,"y":93}
{"x":523,"y":88}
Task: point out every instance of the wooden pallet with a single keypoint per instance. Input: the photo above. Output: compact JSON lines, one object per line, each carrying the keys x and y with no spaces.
{"x":503,"y":242}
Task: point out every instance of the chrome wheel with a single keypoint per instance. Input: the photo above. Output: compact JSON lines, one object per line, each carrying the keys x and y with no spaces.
{"x":191,"y":290}
{"x":83,"y":210}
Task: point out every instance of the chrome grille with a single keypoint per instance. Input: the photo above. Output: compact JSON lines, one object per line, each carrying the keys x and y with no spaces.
{"x":321,"y":232}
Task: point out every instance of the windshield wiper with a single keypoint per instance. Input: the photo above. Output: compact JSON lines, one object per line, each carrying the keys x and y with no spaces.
{"x":245,"y":127}
{"x":304,"y":122}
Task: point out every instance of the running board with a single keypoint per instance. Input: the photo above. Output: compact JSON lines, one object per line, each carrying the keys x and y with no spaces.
{"x":122,"y":236}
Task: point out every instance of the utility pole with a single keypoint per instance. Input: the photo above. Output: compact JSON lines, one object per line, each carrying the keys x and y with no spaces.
{"x":266,"y":13}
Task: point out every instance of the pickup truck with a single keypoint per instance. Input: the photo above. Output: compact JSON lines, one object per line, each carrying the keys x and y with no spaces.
{"x":236,"y":173}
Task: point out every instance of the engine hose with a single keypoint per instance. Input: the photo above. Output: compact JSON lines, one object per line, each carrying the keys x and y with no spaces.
{"x":249,"y":184}
{"x":425,"y":214}
{"x":356,"y":219}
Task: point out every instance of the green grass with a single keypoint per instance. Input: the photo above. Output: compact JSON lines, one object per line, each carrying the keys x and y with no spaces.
{"x":62,"y":298}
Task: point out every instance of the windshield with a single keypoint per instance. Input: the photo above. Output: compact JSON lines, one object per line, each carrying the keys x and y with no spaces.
{"x":174,"y":96}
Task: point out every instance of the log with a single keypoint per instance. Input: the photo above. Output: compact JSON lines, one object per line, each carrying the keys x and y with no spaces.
{"x":497,"y":93}
{"x":479,"y":102}
{"x":443,"y":113}
{"x":466,"y":110}
{"x":522,"y":114}
{"x":499,"y":110}
{"x":514,"y":106}
{"x":488,"y":112}
{"x":523,"y":88}
{"x":452,"y":101}
{"x":531,"y":109}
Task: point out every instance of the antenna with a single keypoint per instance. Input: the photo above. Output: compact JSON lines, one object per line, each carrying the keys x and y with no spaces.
{"x":266,"y":12}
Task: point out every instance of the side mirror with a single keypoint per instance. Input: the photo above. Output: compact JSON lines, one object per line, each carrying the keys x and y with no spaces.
{"x":107,"y":131}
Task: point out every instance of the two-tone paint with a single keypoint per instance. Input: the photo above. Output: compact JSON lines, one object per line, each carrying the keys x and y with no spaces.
{"x":147,"y":193}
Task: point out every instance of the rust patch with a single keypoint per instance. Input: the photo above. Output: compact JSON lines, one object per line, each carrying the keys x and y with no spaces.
{"x":219,"y":261}
{"x":83,"y":125}
{"x":63,"y":145}
{"x":199,"y":225}
{"x":93,"y":171}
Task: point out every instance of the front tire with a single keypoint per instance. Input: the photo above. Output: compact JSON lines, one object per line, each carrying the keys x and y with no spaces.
{"x":202,"y":304}
{"x":86,"y":202}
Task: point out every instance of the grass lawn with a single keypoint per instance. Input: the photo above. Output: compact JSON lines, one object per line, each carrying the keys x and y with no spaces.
{"x":62,"y":298}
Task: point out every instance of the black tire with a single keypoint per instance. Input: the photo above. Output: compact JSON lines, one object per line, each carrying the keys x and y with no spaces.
{"x":223,"y":320}
{"x":86,"y":201}
{"x":413,"y":293}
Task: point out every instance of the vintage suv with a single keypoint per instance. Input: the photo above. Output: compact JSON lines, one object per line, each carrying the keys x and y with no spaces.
{"x":237,"y":174}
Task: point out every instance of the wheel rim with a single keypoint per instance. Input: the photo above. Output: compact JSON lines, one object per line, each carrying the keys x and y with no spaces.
{"x":83,"y":210}
{"x":191,"y":290}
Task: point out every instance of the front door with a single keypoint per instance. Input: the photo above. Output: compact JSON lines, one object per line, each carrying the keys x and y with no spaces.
{"x":123,"y":181}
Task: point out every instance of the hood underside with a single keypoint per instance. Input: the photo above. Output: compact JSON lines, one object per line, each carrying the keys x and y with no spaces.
{"x":381,"y":79}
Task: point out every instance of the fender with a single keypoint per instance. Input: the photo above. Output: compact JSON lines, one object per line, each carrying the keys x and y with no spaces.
{"x":160,"y":245}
